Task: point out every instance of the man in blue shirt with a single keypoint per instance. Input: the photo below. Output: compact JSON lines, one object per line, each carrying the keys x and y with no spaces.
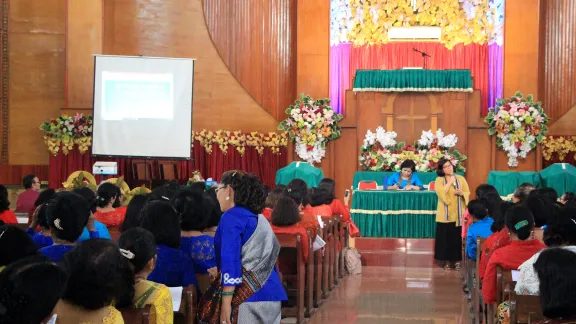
{"x":480,"y":227}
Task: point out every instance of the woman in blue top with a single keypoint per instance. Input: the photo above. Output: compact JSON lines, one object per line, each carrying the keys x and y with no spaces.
{"x":173,"y":267}
{"x":405,"y":179}
{"x":249,"y":290}
{"x":193,"y":212}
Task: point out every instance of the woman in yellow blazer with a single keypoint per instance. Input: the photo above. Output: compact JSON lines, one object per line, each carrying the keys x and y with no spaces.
{"x":453,"y":194}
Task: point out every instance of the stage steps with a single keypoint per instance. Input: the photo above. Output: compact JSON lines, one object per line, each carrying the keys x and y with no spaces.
{"x":396,"y":252}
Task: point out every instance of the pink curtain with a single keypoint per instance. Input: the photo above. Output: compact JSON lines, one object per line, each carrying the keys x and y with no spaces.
{"x":339,"y":76}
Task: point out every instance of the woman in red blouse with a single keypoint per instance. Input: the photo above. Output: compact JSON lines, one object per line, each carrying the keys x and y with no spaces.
{"x":499,"y":239}
{"x":271,"y":200}
{"x":107,"y":195}
{"x":6,"y":215}
{"x":338,"y":208}
{"x":520,"y":225}
{"x":319,"y":203}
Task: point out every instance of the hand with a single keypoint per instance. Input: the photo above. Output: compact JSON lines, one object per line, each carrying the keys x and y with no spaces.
{"x":213,"y":273}
{"x":347,"y":199}
{"x":394,"y":187}
{"x":458,"y":192}
{"x":226,"y":310}
{"x":90,"y":225}
{"x":451,"y":180}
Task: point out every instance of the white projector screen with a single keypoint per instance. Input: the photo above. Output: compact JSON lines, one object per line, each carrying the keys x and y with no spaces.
{"x":142,"y":107}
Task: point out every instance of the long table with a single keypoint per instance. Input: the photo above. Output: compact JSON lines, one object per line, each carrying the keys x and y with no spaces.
{"x":401,"y":214}
{"x":425,"y":177}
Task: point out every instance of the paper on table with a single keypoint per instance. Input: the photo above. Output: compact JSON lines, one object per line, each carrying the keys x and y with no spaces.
{"x":318,"y":243}
{"x":515,"y":275}
{"x":320,"y":221}
{"x":176,"y":293}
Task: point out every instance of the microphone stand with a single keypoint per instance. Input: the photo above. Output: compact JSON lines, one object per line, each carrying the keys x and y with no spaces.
{"x":424,"y":57}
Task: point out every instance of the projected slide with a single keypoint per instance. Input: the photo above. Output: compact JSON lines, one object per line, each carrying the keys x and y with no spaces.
{"x":127,"y":95}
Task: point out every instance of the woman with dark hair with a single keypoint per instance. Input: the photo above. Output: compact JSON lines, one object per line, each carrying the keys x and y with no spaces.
{"x":99,"y":279}
{"x":44,"y":197}
{"x":555,"y":268}
{"x":106,"y":196}
{"x":567,"y":197}
{"x":212,"y":210}
{"x":90,"y":197}
{"x":133,"y":210}
{"x":338,"y":208}
{"x":320,"y":203}
{"x":29,"y":290}
{"x":453,"y":194}
{"x":520,"y":225}
{"x":541,"y":207}
{"x":246,"y":253}
{"x":42,"y":238}
{"x":405,"y":179}
{"x":15,"y":244}
{"x":499,"y":239}
{"x":561,"y":232}
{"x":200,"y":247}
{"x":522,"y":192}
{"x":491,"y":203}
{"x":173,"y":267}
{"x":6,"y":215}
{"x":139,"y":247}
{"x":67,"y":214}
{"x":297,"y":190}
{"x":271,"y":200}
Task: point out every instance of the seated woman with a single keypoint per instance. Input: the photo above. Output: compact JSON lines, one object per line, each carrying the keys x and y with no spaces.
{"x":286,"y":219}
{"x":520,"y":224}
{"x":492,"y":203}
{"x":90,"y":197}
{"x":67,"y":215}
{"x":561,"y":232}
{"x":499,"y":239}
{"x":481,"y":227}
{"x":405,"y":179}
{"x":555,"y":268}
{"x":15,"y":244}
{"x":107,"y":195}
{"x":214,"y":214}
{"x":99,"y":281}
{"x":6,"y":215}
{"x":338,"y":208}
{"x":200,"y":247}
{"x":173,"y":267}
{"x":297,"y":190}
{"x":271,"y":200}
{"x":30,"y":289}
{"x":250,"y":290}
{"x":139,"y":247}
{"x":132,"y":218}
{"x":320,"y":203}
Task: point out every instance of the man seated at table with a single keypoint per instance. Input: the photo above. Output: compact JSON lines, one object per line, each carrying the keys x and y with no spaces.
{"x":405,"y":179}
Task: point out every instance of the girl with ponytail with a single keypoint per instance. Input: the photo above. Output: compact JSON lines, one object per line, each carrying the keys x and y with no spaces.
{"x":106,"y":196}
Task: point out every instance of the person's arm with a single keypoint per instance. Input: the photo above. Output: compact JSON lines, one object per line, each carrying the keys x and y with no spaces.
{"x":441,"y":192}
{"x":417,"y":183}
{"x":231,"y":254}
{"x":392,"y":182}
{"x":489,"y":282}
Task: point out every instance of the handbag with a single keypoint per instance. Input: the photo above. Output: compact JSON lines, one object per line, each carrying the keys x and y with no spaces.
{"x":354,"y":231}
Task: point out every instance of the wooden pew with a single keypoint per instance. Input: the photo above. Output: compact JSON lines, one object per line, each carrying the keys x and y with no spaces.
{"x":326,"y":259}
{"x":291,"y":241}
{"x":329,"y":226}
{"x":524,"y":309}
{"x":477,"y":293}
{"x":136,"y":315}
{"x":310,"y":310}
{"x":187,"y":312}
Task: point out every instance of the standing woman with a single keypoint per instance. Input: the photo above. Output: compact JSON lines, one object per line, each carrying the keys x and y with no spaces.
{"x":249,"y":288}
{"x":453,"y":194}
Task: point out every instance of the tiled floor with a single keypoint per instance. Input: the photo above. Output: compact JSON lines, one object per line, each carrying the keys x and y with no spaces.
{"x":400,"y":295}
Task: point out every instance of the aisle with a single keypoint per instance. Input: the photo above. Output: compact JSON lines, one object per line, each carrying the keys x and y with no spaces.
{"x":396,"y":295}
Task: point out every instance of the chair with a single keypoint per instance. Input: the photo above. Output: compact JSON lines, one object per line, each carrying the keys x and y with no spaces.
{"x":136,"y":315}
{"x":432,"y":186}
{"x":291,"y":241}
{"x":187,"y":312}
{"x":367,"y":185}
{"x":168,"y":170}
{"x":141,"y":173}
{"x":524,"y":309}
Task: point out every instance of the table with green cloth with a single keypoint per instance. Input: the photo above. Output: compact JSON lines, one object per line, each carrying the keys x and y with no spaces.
{"x":425,"y":177}
{"x":415,"y":80}
{"x":507,"y":181}
{"x":560,"y":177}
{"x":399,"y":214}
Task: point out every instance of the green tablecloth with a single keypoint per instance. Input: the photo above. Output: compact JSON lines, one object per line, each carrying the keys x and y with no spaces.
{"x":559,"y":176}
{"x":395,"y":213}
{"x":506,"y":182}
{"x":425,"y":177}
{"x":413,"y":80}
{"x":300,"y":170}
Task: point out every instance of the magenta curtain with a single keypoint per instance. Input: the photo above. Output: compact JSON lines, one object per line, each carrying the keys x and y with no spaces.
{"x":484,"y":62}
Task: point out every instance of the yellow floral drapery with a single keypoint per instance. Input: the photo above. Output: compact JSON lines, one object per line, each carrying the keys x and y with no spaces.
{"x":560,"y":147}
{"x":240,"y":140}
{"x":366,"y":22}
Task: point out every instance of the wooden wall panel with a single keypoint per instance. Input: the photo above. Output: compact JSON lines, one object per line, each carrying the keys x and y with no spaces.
{"x":558,"y":65}
{"x":176,"y":28}
{"x":257,"y":41}
{"x":84,"y":38}
{"x":37,"y":65}
{"x":521,"y":46}
{"x":13,"y":174}
{"x":478,"y":163}
{"x":345,"y":160}
{"x":4,"y":81}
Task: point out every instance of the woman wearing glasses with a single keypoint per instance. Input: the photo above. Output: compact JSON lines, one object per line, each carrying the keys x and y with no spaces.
{"x":453,"y":194}
{"x":405,"y":179}
{"x":247,"y":288}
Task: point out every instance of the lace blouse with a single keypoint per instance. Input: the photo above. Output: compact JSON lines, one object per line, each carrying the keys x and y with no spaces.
{"x":528,"y":282}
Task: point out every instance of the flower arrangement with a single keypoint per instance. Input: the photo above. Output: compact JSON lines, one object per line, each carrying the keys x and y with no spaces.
{"x":311,"y":124}
{"x":240,"y":141}
{"x":381,"y":152}
{"x":80,"y":179}
{"x":367,"y":22}
{"x":66,"y":131}
{"x":559,"y":145}
{"x":519,"y":125}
